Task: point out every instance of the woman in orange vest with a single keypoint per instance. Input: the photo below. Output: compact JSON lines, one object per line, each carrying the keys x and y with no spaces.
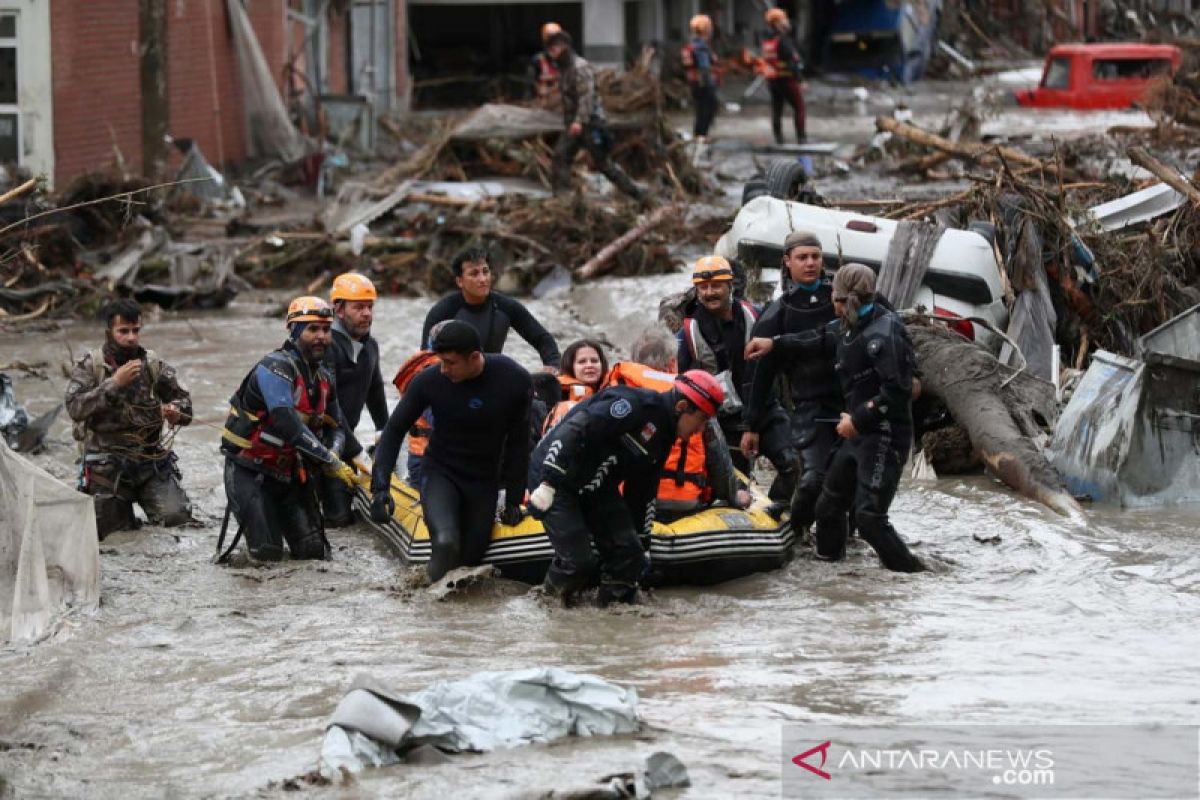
{"x":581,"y":372}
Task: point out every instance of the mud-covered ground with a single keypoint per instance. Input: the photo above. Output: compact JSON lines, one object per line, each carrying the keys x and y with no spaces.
{"x":197,"y":680}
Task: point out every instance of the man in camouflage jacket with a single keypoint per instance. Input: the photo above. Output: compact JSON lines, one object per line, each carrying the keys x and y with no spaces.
{"x":119,"y":396}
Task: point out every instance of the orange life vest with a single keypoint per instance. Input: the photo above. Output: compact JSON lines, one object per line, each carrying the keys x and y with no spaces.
{"x":547,"y":75}
{"x":418,"y":434}
{"x":684,"y":475}
{"x":573,"y":391}
{"x":774,"y":66}
{"x":687,"y":55}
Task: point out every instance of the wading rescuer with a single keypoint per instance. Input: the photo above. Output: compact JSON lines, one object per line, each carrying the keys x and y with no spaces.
{"x":489,"y":312}
{"x":119,"y":397}
{"x":713,"y":338}
{"x":284,"y":421}
{"x":583,"y":116}
{"x":620,"y":435}
{"x":700,"y":67}
{"x":479,"y":444}
{"x":782,"y":68}
{"x":875,"y":362}
{"x":353,"y":360}
{"x":816,"y":393}
{"x":543,"y":73}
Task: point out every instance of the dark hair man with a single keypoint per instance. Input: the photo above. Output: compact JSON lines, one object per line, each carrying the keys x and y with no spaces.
{"x":621,"y":435}
{"x":713,"y":338}
{"x":479,"y":443}
{"x":875,"y":361}
{"x":489,"y":312}
{"x":583,"y":117}
{"x":119,"y":397}
{"x":272,"y":438}
{"x":353,"y":360}
{"x":782,"y":68}
{"x":816,"y":393}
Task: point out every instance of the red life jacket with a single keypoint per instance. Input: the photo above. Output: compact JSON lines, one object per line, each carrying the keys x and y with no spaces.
{"x":418,"y":434}
{"x":262,"y":450}
{"x":547,"y":75}
{"x":774,"y":66}
{"x":687,"y":55}
{"x":684,"y":475}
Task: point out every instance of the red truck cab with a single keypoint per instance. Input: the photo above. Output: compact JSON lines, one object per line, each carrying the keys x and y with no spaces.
{"x":1091,"y":76}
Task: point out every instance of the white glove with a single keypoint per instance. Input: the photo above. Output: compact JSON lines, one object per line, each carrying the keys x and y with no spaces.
{"x":542,"y":497}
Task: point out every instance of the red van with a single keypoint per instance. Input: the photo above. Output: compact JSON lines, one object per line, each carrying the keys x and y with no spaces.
{"x":1088,"y":76}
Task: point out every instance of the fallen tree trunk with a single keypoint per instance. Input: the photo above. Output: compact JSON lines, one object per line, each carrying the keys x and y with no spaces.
{"x":999,"y":418}
{"x":974,"y":152}
{"x":602,"y":262}
{"x":1141,"y":156}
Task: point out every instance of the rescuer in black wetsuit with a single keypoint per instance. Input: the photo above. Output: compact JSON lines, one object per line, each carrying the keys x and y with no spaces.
{"x":480,"y":443}
{"x":816,"y":394}
{"x":621,"y":435}
{"x":875,"y":362}
{"x":490,"y":313}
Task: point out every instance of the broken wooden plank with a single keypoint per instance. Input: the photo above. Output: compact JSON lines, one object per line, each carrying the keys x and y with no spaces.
{"x":602,"y":262}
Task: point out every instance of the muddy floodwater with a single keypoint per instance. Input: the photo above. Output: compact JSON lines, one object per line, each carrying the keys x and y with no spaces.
{"x":196,"y":680}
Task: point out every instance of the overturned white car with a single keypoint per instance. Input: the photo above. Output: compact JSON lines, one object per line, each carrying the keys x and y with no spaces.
{"x":948,"y":272}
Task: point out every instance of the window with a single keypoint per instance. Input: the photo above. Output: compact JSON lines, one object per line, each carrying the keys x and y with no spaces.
{"x":10,"y":114}
{"x":1124,"y":69}
{"x":1058,"y":74}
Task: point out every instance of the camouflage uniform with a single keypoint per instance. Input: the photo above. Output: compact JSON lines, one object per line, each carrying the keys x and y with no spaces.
{"x":581,"y":103}
{"x":124,"y":461}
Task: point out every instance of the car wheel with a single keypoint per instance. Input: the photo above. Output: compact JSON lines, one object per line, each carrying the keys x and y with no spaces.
{"x":785,"y":179}
{"x":755,"y":187}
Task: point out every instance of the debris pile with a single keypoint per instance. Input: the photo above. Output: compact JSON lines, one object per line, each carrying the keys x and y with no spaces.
{"x":1174,"y":102}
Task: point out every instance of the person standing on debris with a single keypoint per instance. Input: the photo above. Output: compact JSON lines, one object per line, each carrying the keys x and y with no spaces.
{"x":479,"y":444}
{"x":119,"y":397}
{"x":816,"y":393}
{"x":700,"y":67}
{"x":782,"y":68}
{"x":875,"y":360}
{"x":543,"y":73}
{"x":353,"y":360}
{"x":583,"y":116}
{"x":489,"y":312}
{"x":278,"y":418}
{"x":714,"y":339}
{"x":620,"y":436}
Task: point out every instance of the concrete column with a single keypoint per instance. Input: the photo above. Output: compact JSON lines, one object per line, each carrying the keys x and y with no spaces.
{"x":604,"y":32}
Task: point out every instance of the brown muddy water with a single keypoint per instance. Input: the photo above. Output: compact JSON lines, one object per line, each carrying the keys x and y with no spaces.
{"x":197,"y":680}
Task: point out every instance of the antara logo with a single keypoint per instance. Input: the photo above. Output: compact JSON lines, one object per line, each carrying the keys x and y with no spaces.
{"x":823,"y":749}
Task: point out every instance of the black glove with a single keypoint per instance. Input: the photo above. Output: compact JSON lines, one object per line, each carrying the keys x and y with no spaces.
{"x":511,"y":515}
{"x":382,"y":506}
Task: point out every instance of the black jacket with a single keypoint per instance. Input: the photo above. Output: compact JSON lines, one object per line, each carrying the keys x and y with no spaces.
{"x":492,"y":320}
{"x":359,"y":382}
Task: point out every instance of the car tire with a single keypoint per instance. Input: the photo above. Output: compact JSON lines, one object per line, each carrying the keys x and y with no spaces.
{"x":785,"y":178}
{"x":755,"y":187}
{"x":985,"y":229}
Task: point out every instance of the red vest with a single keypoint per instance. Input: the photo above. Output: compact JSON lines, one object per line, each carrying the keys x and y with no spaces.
{"x":262,"y":450}
{"x":547,"y":75}
{"x":773,"y":66}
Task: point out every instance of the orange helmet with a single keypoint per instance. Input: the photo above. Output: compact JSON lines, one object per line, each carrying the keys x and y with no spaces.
{"x":309,"y":309}
{"x":701,"y":24}
{"x":776,"y":16}
{"x":351,"y":286}
{"x":711,"y":268}
{"x":702,"y":390}
{"x":549,"y":29}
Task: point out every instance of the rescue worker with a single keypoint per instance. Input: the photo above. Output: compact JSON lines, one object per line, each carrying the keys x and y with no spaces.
{"x":583,"y":117}
{"x":284,"y":420}
{"x":489,"y":312}
{"x":875,"y":362}
{"x":479,"y":444}
{"x":816,"y":395}
{"x":580,"y":375}
{"x":700,"y":68}
{"x":353,"y":360}
{"x":621,"y":435}
{"x":543,"y":73}
{"x":782,"y":69}
{"x":119,"y":397}
{"x":713,"y":338}
{"x":699,"y":470}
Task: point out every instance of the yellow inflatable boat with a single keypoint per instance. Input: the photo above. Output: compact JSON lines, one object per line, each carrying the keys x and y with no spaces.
{"x":714,"y":545}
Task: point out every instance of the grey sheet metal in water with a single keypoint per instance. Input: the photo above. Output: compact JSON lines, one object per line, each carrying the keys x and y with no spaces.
{"x":1131,"y":433}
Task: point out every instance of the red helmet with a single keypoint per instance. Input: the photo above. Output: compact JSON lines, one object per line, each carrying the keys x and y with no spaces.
{"x":702,"y":389}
